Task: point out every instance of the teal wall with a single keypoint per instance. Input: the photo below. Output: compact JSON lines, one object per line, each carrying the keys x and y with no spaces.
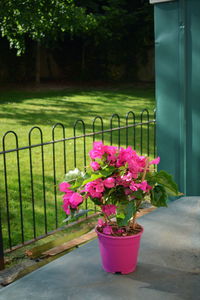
{"x":177,"y":51}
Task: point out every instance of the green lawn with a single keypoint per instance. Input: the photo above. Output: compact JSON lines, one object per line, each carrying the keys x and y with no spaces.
{"x":21,"y":110}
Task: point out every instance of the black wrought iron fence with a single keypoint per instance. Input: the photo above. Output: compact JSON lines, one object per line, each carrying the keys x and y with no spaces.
{"x":29,"y":177}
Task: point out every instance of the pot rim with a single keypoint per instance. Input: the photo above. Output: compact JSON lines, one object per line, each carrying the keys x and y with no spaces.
{"x":119,"y":237}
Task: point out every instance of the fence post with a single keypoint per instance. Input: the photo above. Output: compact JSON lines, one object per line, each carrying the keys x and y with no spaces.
{"x":1,"y":246}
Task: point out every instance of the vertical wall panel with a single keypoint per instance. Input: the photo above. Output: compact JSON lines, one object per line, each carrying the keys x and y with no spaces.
{"x":177,"y":31}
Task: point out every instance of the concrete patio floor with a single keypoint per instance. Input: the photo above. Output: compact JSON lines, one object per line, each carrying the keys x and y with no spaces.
{"x":168,"y":267}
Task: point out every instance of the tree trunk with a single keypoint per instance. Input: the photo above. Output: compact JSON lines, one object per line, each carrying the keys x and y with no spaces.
{"x":37,"y":63}
{"x":83,"y":57}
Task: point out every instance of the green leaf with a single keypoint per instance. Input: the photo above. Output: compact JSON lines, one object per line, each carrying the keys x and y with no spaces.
{"x":169,"y":184}
{"x":78,"y":183}
{"x":117,"y":195}
{"x":159,"y":196}
{"x":92,"y":178}
{"x":82,"y":212}
{"x":151,"y":178}
{"x":67,"y":219}
{"x":77,"y":215}
{"x":139,"y":194}
{"x":125,"y":211}
{"x":107,"y":171}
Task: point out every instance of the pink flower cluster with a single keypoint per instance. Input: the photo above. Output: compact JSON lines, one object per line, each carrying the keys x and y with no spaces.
{"x":118,"y":158}
{"x":126,"y":172}
{"x":71,"y":199}
{"x":109,"y":209}
{"x":142,"y":186}
{"x":96,"y":188}
{"x":107,"y":229}
{"x":121,"y":157}
{"x":99,"y":150}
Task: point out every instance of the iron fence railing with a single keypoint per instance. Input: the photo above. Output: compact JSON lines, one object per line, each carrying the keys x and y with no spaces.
{"x":29,"y":177}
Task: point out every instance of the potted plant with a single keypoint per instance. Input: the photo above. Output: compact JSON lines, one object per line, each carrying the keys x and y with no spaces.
{"x":118,"y":181}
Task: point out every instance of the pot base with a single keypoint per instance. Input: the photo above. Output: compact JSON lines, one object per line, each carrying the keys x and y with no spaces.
{"x":122,"y":272}
{"x":119,"y":254}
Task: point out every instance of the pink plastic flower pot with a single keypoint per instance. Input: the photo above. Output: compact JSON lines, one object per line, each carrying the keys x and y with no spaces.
{"x":119,"y":254}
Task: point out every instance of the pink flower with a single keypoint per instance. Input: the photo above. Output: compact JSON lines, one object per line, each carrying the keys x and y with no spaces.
{"x":94,"y":165}
{"x":137,"y":165}
{"x":111,"y":153}
{"x":66,"y":204}
{"x":109,"y":209}
{"x":95,"y":188}
{"x":119,"y":230}
{"x":97,"y":151}
{"x":101,"y":222}
{"x":99,"y":186}
{"x":119,"y":181}
{"x":124,"y":156}
{"x":149,"y":187}
{"x":67,"y":196}
{"x":127,"y":177}
{"x":142,"y":185}
{"x":66,"y":209}
{"x":109,"y":182}
{"x":64,"y":187}
{"x":134,"y":186}
{"x":107,"y":230}
{"x":128,"y":191}
{"x":75,"y":200}
{"x":155,"y":161}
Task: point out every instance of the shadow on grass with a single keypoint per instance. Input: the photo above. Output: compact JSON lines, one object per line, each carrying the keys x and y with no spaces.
{"x":43,"y":108}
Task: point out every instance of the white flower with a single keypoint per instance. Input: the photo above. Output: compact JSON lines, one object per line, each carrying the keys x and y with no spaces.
{"x":73,"y":174}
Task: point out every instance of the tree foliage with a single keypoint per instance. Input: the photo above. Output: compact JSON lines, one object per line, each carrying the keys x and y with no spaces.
{"x":46,"y":20}
{"x":42,"y":20}
{"x":108,"y":35}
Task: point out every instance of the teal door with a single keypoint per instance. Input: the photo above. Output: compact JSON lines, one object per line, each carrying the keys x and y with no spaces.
{"x":177,"y":56}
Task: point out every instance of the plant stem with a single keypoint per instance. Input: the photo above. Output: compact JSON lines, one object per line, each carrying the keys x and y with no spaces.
{"x":133,"y":221}
{"x":106,"y":218}
{"x":138,"y":202}
{"x":145,"y":169}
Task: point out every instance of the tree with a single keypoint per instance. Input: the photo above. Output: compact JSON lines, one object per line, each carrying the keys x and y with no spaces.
{"x":110,"y":32}
{"x":43,"y":21}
